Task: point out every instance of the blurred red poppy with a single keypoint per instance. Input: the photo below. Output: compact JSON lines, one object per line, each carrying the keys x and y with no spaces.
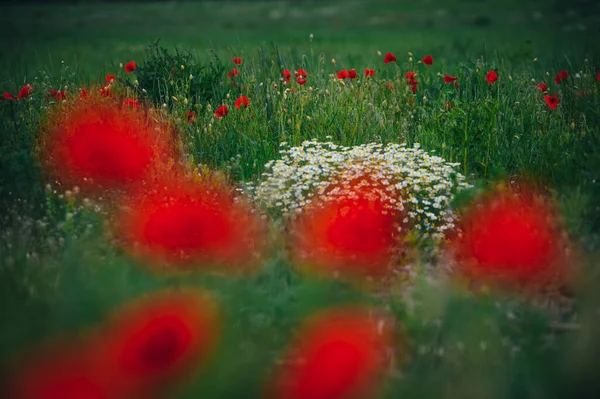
{"x":286,"y":75}
{"x":96,"y":144}
{"x":233,"y":73}
{"x":354,"y":233}
{"x":413,"y":86}
{"x":191,"y":116}
{"x":427,"y":60}
{"x":105,"y":91}
{"x":337,"y":354}
{"x":390,"y":86}
{"x":25,"y":91}
{"x":301,"y":76}
{"x":561,"y":77}
{"x":189,"y":224}
{"x":543,"y":87}
{"x":449,"y":79}
{"x":130,"y":67}
{"x":551,"y":101}
{"x":83,"y":94}
{"x":237,"y":61}
{"x":369,"y":72}
{"x":157,"y":340}
{"x":110,"y":78}
{"x":9,"y":96}
{"x":352,"y":74}
{"x":60,"y":372}
{"x":132,"y":102}
{"x":242,"y":102}
{"x":342,"y":74}
{"x":491,"y":77}
{"x":598,"y":77}
{"x":510,"y":238}
{"x":221,"y":111}
{"x":389,"y":57}
{"x":410,"y":75}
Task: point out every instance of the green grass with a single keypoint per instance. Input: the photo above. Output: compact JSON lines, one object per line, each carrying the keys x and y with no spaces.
{"x":60,"y":274}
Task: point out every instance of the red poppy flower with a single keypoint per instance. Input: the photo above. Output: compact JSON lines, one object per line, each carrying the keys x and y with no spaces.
{"x":237,"y":61}
{"x":427,"y":60}
{"x":337,"y":354}
{"x":552,"y":101}
{"x":352,"y":74}
{"x":491,"y":77}
{"x":110,"y":78}
{"x":157,"y":340}
{"x":130,"y":67}
{"x":233,"y":73}
{"x":342,"y":74}
{"x":413,"y":86}
{"x":389,"y":57}
{"x":390,"y":86}
{"x":25,"y":91}
{"x":369,"y":72}
{"x":561,"y":77}
{"x":96,"y":143}
{"x":60,"y":373}
{"x":449,"y":79}
{"x":242,"y":102}
{"x":9,"y":96}
{"x":131,"y":102}
{"x":598,"y":77}
{"x":301,"y":76}
{"x":410,"y":75}
{"x":286,"y":75}
{"x":509,"y":238}
{"x":221,"y":111}
{"x":188,"y":224}
{"x":105,"y":91}
{"x":191,"y":117}
{"x":354,"y":233}
{"x":543,"y":87}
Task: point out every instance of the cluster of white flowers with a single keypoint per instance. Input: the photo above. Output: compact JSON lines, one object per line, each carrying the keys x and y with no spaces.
{"x":408,"y":179}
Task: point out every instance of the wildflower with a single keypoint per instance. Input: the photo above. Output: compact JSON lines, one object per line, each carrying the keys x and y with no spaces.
{"x":427,"y":60}
{"x":25,"y":91}
{"x":237,"y":61}
{"x":191,"y":117}
{"x":105,"y":91}
{"x":352,"y":74}
{"x":598,"y":77}
{"x":390,"y":86}
{"x":449,"y":79}
{"x":9,"y":96}
{"x":110,"y":78}
{"x":561,"y":77}
{"x":190,"y":224}
{"x":286,"y":75}
{"x":551,"y":101}
{"x":242,"y":102}
{"x":221,"y":111}
{"x":233,"y":73}
{"x":83,"y":94}
{"x":61,"y":371}
{"x":410,"y":75}
{"x":301,"y":76}
{"x":413,"y":85}
{"x":511,"y":238}
{"x":389,"y":57}
{"x":342,"y":74}
{"x":157,"y":339}
{"x":101,"y":146}
{"x":130,"y":67}
{"x":491,"y":77}
{"x":342,"y":352}
{"x":543,"y":87}
{"x":369,"y":72}
{"x":131,"y":102}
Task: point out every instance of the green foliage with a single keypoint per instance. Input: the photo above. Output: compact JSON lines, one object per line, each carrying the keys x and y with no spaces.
{"x":165,"y":74}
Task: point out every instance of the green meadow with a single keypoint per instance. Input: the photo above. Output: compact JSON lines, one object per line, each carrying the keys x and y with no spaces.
{"x":62,"y":274}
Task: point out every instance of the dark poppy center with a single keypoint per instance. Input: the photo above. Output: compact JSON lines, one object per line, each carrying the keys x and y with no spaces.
{"x":161,"y":348}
